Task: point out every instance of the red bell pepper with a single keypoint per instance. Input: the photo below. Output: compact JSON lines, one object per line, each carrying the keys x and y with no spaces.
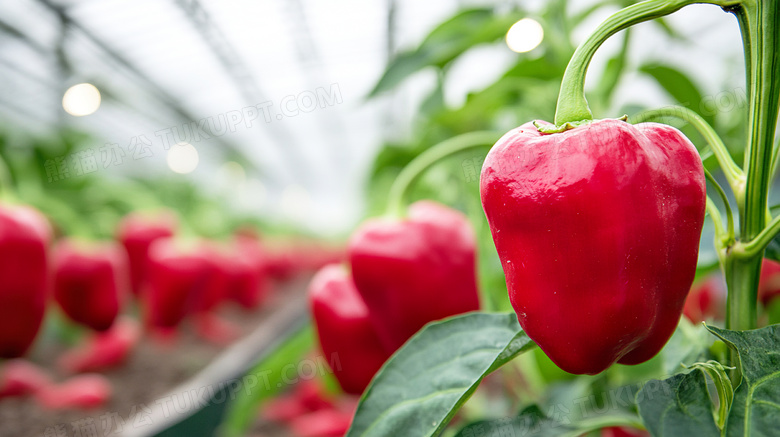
{"x":90,"y":281}
{"x":414,"y":271}
{"x":248,"y":282}
{"x":103,"y":350}
{"x":323,"y":423}
{"x":769,"y":282}
{"x":705,"y":301}
{"x":137,"y":232}
{"x":20,"y":377}
{"x":24,"y":236}
{"x":345,"y":329}
{"x":178,"y":274}
{"x":616,"y":431}
{"x":86,"y":391}
{"x":597,"y":228}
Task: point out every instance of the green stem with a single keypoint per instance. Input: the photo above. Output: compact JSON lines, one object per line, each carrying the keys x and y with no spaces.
{"x":430,"y":157}
{"x":572,"y":107}
{"x":759,"y":25}
{"x":729,"y":237}
{"x":734,"y":175}
{"x":757,"y":245}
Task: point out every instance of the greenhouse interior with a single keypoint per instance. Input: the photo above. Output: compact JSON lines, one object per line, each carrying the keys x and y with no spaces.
{"x":389,"y":218}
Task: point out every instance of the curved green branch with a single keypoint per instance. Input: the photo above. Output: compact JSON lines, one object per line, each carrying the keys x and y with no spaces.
{"x":758,"y":244}
{"x":572,"y":108}
{"x":430,"y":157}
{"x":729,"y":237}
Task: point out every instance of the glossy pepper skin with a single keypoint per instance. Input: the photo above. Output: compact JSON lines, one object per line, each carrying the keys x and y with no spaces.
{"x":344,"y":328}
{"x":90,"y":282}
{"x":597,"y":229}
{"x":415,"y":270}
{"x":24,"y":237}
{"x":137,"y":232}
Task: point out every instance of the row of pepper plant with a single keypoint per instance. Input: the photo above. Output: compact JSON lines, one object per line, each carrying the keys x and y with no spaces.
{"x":597,"y":226}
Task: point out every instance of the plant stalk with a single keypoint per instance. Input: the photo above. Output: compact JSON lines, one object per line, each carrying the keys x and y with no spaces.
{"x":758,"y":21}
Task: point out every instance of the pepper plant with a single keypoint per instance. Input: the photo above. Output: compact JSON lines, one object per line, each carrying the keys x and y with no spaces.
{"x":425,"y":383}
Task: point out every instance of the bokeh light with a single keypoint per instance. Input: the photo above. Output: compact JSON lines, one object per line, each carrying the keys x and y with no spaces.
{"x":525,"y":35}
{"x":82,"y":99}
{"x":182,"y":158}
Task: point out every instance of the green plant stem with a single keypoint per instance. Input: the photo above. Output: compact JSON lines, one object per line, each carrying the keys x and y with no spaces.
{"x":728,"y":234}
{"x":759,"y":25}
{"x":734,"y":175}
{"x":572,"y":107}
{"x":758,"y":244}
{"x":430,"y":157}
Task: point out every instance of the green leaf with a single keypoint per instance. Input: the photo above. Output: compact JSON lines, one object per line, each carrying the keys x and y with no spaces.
{"x":243,"y":410}
{"x":717,"y":373}
{"x":678,"y":85}
{"x":446,"y":42}
{"x":532,"y":421}
{"x":421,"y":387}
{"x":756,"y":407}
{"x":678,"y":406}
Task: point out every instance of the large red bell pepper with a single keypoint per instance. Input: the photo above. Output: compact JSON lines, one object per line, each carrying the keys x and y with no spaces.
{"x":414,"y":271}
{"x":344,"y":328}
{"x":597,"y":228}
{"x":137,"y":232}
{"x":90,"y":281}
{"x":24,"y":235}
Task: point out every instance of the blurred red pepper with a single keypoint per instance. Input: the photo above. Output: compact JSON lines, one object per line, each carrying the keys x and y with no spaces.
{"x":769,"y":282}
{"x":323,"y":423}
{"x":90,"y":281}
{"x":347,"y":336}
{"x":24,"y":236}
{"x":414,"y":271}
{"x":137,"y":231}
{"x":20,"y":377}
{"x":217,"y":283}
{"x":247,"y":264}
{"x":705,"y":301}
{"x":178,"y":274}
{"x":597,"y":228}
{"x":103,"y":350}
{"x":79,"y":392}
{"x":616,"y":431}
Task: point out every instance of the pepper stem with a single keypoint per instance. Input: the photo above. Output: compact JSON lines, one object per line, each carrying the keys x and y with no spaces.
{"x":430,"y":157}
{"x":572,"y":107}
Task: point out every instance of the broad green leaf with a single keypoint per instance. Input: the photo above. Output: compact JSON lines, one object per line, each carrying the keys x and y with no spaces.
{"x":756,"y":408}
{"x":532,"y":421}
{"x":678,"y":406}
{"x":446,"y":42}
{"x":678,"y":85}
{"x":421,"y":387}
